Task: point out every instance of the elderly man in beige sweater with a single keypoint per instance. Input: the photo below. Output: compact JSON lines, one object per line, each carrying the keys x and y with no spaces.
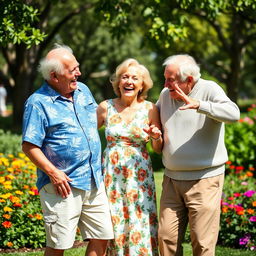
{"x":193,"y":112}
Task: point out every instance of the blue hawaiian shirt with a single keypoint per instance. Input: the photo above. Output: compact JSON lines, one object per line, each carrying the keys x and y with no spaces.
{"x":67,"y":134}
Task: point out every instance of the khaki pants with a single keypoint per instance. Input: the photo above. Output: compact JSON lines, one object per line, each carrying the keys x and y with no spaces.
{"x":196,"y":202}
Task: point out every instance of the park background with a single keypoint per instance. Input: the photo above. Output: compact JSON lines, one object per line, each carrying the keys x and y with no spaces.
{"x":220,"y":34}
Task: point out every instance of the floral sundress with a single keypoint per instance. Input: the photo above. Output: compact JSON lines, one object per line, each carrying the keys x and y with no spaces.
{"x":130,"y":184}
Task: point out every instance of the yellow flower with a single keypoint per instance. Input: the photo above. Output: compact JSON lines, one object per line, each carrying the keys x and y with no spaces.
{"x":7,"y":209}
{"x":10,"y":177}
{"x":2,"y":201}
{"x":2,"y":179}
{"x":18,"y":192}
{"x":8,"y":186}
{"x":5,"y":196}
{"x":10,"y":169}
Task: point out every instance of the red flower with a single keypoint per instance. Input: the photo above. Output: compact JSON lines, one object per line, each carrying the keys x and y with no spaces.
{"x":7,"y":224}
{"x":17,"y":205}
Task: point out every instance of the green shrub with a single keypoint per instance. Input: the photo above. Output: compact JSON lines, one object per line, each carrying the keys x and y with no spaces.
{"x":10,"y":143}
{"x":240,"y":139}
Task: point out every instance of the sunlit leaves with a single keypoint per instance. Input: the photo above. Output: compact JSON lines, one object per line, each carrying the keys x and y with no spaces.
{"x":18,"y":23}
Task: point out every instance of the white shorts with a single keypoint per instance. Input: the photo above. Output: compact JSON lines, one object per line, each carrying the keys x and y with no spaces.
{"x":88,"y":210}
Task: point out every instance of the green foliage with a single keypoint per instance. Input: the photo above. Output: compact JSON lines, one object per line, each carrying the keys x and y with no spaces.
{"x":17,"y":23}
{"x":10,"y":143}
{"x":240,"y":139}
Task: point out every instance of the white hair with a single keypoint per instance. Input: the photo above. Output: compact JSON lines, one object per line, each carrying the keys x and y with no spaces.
{"x":186,"y":64}
{"x":46,"y":66}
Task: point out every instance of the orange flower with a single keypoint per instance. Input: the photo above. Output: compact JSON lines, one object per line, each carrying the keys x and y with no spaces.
{"x":143,"y":251}
{"x":254,"y":203}
{"x":110,"y":138}
{"x":14,"y":199}
{"x":136,"y":237}
{"x":38,"y":216}
{"x":114,"y":157}
{"x":132,"y":196}
{"x":7,"y":216}
{"x":240,"y":212}
{"x":125,"y":212}
{"x":139,"y":212}
{"x":127,"y":172}
{"x":120,"y":240}
{"x":9,"y":244}
{"x":115,"y":220}
{"x":113,"y":196}
{"x":7,"y":224}
{"x":108,"y":180}
{"x":250,"y":211}
{"x":249,"y":174}
{"x":115,"y":119}
{"x":142,"y":174}
{"x":224,"y":209}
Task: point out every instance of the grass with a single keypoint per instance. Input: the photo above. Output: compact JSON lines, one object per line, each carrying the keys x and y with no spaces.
{"x":220,"y":251}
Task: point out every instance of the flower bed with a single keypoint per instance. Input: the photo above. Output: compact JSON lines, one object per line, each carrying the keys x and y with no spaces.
{"x":238,"y":217}
{"x":21,"y":220}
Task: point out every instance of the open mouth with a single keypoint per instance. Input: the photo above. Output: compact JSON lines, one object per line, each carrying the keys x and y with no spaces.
{"x":128,"y":89}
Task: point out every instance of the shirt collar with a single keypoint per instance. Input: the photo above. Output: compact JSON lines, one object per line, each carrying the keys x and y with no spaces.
{"x":54,"y":94}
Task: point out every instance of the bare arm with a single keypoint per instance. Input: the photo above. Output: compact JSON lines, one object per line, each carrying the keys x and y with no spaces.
{"x":154,"y":129}
{"x":58,"y":178}
{"x":101,"y":113}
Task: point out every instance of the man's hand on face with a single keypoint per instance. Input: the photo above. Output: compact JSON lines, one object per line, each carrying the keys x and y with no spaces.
{"x":190,"y":103}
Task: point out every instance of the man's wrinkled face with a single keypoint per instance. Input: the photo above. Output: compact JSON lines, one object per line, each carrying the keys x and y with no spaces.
{"x":172,"y":80}
{"x":68,"y":79}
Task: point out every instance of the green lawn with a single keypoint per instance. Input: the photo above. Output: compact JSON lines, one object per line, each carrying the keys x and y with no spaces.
{"x":187,"y":252}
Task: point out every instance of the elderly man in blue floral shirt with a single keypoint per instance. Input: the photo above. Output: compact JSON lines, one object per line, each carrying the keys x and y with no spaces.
{"x":60,"y":137}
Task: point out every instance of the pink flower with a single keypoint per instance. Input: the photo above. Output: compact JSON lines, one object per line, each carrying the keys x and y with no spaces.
{"x":252,"y":219}
{"x":249,"y":193}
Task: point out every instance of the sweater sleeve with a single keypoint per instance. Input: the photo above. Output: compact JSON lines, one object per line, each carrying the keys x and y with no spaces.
{"x":218,"y":106}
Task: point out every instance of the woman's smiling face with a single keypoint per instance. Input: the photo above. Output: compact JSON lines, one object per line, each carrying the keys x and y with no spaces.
{"x":131,"y":82}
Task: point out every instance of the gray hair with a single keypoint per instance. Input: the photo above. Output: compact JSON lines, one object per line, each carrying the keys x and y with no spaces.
{"x":46,"y":66}
{"x":187,"y":66}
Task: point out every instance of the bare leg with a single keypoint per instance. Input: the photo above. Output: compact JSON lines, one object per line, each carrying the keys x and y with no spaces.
{"x":96,"y":247}
{"x":53,"y":252}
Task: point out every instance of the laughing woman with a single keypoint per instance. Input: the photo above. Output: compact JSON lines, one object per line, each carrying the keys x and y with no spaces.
{"x":130,"y":122}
